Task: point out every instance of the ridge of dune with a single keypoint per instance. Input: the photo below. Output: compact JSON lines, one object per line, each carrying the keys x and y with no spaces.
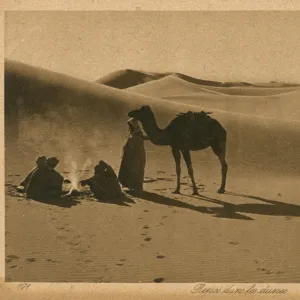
{"x":275,"y":84}
{"x":279,"y":106}
{"x":248,"y":112}
{"x":126,"y":78}
{"x":129,"y":78}
{"x":254,"y":90}
{"x":168,"y":85}
{"x":172,"y":85}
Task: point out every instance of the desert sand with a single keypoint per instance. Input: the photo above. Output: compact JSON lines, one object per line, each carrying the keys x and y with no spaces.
{"x":248,"y":234}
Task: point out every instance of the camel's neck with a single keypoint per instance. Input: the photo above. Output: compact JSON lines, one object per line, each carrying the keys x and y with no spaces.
{"x":156,"y":135}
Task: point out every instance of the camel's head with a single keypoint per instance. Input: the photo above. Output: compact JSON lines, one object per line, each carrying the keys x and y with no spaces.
{"x":141,"y":113}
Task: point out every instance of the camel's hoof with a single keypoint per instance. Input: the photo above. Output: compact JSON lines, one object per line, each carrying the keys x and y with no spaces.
{"x":176,"y":192}
{"x":196,"y":193}
{"x":221,"y":191}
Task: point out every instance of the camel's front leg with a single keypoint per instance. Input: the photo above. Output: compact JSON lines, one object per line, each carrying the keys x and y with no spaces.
{"x":177,"y":158}
{"x":187,"y":157}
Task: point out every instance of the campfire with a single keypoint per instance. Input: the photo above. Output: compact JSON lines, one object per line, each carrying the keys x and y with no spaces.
{"x":75,"y":175}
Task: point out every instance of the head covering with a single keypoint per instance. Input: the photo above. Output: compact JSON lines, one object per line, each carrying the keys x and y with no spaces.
{"x":100,"y":167}
{"x":134,"y":124}
{"x":52,"y":162}
{"x":41,"y":159}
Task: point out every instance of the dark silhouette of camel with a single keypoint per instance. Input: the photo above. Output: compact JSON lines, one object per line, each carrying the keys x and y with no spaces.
{"x":187,"y":132}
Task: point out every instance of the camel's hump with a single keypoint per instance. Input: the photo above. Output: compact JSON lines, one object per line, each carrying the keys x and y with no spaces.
{"x":190,"y":114}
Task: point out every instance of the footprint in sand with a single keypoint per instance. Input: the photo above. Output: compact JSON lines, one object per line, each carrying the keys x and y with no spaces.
{"x":143,"y":233}
{"x":269,"y":271}
{"x":160,"y":190}
{"x":10,"y":258}
{"x":122,"y":259}
{"x":73,"y":243}
{"x":12,"y":267}
{"x":30,"y":259}
{"x":158,"y":280}
{"x":145,"y":210}
{"x":164,"y":217}
{"x":149,"y":180}
{"x":52,"y":260}
{"x":261,"y":269}
{"x":145,"y":226}
{"x":55,"y":261}
{"x":160,"y":256}
{"x":164,"y":179}
{"x":120,"y":265}
{"x":147,"y":239}
{"x":175,"y":211}
{"x":233,"y":243}
{"x":244,"y":250}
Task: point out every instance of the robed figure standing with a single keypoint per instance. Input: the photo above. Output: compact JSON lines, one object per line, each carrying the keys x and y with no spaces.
{"x":132,"y":168}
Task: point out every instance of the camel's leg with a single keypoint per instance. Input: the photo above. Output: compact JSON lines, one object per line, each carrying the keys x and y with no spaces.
{"x":187,"y":158}
{"x":177,"y":158}
{"x":219,"y":148}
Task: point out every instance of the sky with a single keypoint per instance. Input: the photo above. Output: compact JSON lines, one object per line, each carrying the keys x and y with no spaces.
{"x":224,"y":46}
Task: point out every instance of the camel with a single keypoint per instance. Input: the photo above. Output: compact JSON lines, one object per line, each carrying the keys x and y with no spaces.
{"x":190,"y":131}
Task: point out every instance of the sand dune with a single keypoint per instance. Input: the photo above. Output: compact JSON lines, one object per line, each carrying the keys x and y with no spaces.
{"x":169,"y":85}
{"x":283,"y":106}
{"x":126,"y":78}
{"x":71,"y":106}
{"x":175,"y":86}
{"x":85,"y":240}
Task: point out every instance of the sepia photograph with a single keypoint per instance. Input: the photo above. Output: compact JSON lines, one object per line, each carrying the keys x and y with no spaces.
{"x":152,"y":146}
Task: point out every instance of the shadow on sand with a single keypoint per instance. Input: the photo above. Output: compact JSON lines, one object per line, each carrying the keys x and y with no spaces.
{"x":269,"y":207}
{"x":229,"y":210}
{"x":60,"y":202}
{"x":121,"y":201}
{"x":68,"y":201}
{"x":160,"y":199}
